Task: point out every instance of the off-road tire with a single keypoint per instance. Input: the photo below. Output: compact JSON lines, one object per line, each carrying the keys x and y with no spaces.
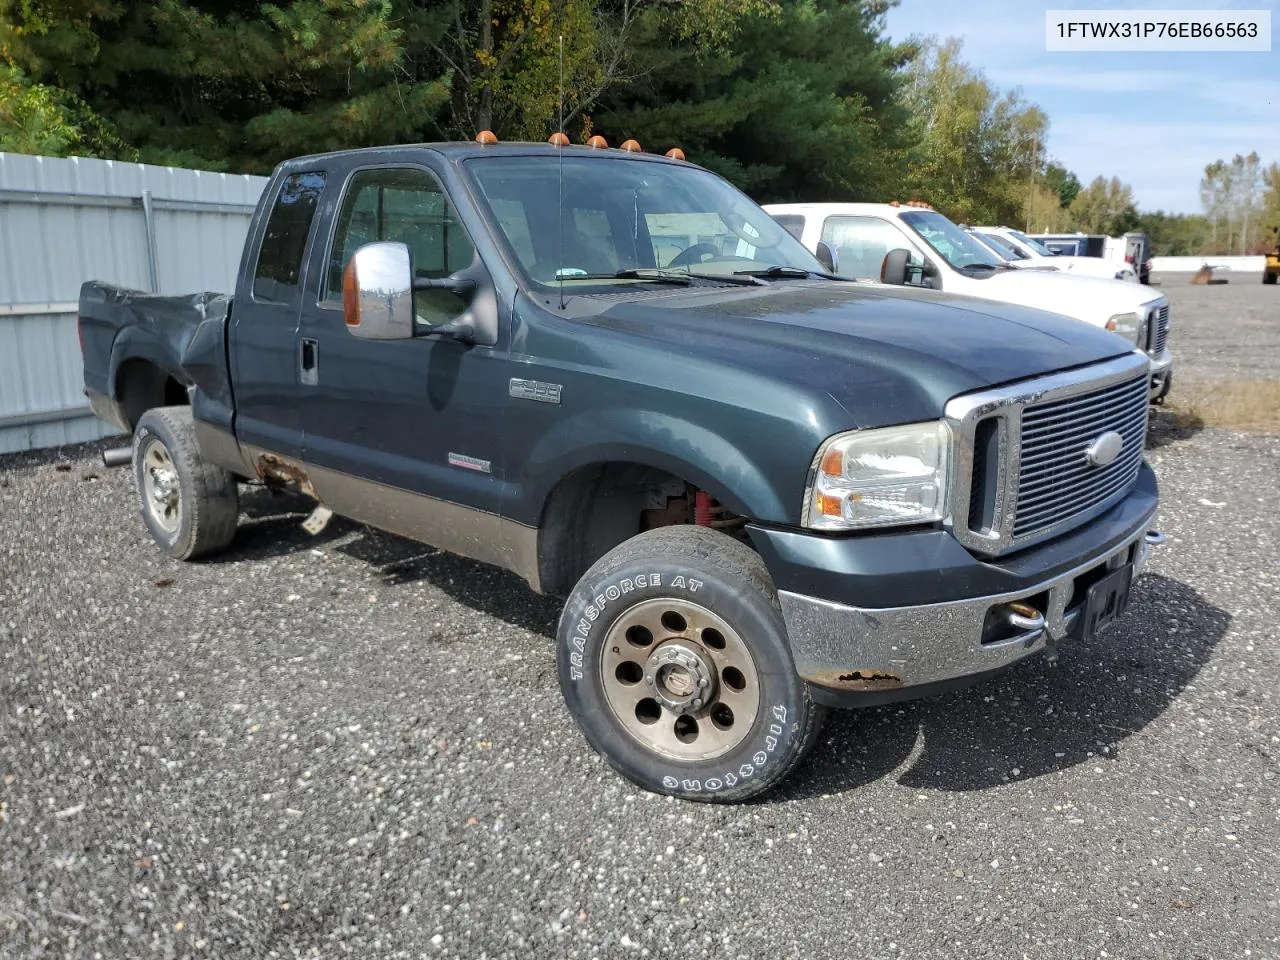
{"x":692,"y":566}
{"x":209,"y":500}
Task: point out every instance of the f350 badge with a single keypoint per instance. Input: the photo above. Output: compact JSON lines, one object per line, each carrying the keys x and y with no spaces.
{"x":535,"y":390}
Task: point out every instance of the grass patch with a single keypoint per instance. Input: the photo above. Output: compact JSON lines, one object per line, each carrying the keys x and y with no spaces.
{"x":1252,"y":405}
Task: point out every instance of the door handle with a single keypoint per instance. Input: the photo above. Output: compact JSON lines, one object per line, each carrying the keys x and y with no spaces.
{"x":308,"y":361}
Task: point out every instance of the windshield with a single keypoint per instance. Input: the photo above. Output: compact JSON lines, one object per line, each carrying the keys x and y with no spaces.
{"x":999,"y":245}
{"x":627,"y":216}
{"x":951,"y":243}
{"x":1031,"y":242}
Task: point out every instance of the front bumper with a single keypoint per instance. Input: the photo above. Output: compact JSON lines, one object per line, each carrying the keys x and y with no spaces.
{"x":853,"y":653}
{"x":1161,"y":374}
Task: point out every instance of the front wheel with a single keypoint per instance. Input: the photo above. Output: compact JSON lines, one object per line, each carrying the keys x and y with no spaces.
{"x":673,"y":658}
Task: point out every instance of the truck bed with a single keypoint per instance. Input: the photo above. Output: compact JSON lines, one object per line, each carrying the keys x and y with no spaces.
{"x":135,"y":344}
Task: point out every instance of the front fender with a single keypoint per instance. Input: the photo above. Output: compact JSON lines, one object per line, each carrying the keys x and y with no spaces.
{"x":678,"y":446}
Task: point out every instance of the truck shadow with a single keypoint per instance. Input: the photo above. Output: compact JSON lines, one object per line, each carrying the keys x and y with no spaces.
{"x":1169,"y":425}
{"x":271,"y":526}
{"x":1035,"y":719}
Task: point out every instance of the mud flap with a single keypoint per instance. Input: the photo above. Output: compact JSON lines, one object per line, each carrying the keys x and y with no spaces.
{"x":318,"y":520}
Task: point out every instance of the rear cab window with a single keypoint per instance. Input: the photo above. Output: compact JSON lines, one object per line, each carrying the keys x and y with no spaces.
{"x":284,"y":241}
{"x":793,"y":223}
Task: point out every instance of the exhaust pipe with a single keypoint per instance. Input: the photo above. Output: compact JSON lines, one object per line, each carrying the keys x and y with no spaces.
{"x":117,"y":456}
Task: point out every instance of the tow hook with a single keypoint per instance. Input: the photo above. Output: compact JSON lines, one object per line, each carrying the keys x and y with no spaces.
{"x":1155,"y":538}
{"x":1022,"y":616}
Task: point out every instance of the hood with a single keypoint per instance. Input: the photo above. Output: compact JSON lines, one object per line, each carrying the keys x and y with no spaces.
{"x":1089,"y":266}
{"x":1091,"y":299}
{"x":885,"y":354}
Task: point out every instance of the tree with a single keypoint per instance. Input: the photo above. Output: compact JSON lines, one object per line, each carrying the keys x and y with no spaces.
{"x":978,"y":150}
{"x":1105,"y":206}
{"x":506,"y":56}
{"x":1230,"y":194}
{"x":1270,"y":220}
{"x":1062,"y":182}
{"x":36,"y":118}
{"x":1247,"y":174}
{"x":1043,"y":211}
{"x":800,"y":105}
{"x":232,"y":84}
{"x":1176,"y":235}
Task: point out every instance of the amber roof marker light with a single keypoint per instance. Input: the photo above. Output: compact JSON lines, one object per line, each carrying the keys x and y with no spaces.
{"x":558,"y":139}
{"x":632,"y":146}
{"x":598,"y":142}
{"x":486,"y":137}
{"x":675,"y":153}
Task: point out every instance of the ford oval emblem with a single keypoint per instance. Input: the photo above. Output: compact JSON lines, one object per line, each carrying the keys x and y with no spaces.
{"x":1104,"y":449}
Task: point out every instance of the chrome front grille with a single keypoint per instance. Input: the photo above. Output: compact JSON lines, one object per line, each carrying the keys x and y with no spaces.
{"x":1056,"y":480}
{"x":1022,"y":471}
{"x":1160,"y":332}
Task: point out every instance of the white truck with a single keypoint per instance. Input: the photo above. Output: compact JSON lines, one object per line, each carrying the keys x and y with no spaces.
{"x":1025,"y":251}
{"x":911,"y":244}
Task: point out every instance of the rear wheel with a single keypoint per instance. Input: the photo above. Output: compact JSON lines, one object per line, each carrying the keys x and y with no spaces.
{"x":673,"y":659}
{"x":1270,"y":278}
{"x":189,"y":506}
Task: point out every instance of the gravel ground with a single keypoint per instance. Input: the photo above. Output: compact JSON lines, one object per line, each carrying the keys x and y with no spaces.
{"x":1210,"y":323}
{"x":354,"y":746}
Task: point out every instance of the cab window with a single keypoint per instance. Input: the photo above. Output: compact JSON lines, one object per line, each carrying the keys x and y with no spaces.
{"x":861,"y":243}
{"x":406,"y":205}
{"x":275,"y":275}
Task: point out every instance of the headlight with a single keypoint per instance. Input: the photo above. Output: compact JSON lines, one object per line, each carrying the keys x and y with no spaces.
{"x":879,"y":478}
{"x":1128,"y":325}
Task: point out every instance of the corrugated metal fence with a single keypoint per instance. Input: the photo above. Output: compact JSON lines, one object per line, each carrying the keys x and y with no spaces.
{"x":64,"y":221}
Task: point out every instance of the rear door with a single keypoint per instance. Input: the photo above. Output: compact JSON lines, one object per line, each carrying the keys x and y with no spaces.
{"x":264,"y":320}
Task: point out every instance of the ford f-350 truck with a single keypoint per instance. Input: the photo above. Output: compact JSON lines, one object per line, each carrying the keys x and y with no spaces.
{"x":763,"y":490}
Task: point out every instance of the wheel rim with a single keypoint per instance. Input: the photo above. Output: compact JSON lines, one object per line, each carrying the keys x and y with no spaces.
{"x":679,"y":679}
{"x":161,"y":491}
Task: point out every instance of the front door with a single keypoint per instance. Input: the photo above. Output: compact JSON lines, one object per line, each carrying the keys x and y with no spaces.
{"x":403,"y":434}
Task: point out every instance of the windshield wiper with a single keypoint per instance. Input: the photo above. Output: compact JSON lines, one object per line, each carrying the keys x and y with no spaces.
{"x":777,"y":273}
{"x":731,"y":278}
{"x":634,"y":273}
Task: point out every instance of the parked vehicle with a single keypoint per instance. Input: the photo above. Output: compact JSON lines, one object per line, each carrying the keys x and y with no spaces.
{"x":1271,"y":269}
{"x":914,"y":245}
{"x":1137,"y":254}
{"x":1005,"y":252}
{"x":1075,"y":244}
{"x":763,"y":491}
{"x":1026,"y":251}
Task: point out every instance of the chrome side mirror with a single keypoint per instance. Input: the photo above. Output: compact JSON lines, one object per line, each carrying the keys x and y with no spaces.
{"x":377,"y":292}
{"x":826,"y":255}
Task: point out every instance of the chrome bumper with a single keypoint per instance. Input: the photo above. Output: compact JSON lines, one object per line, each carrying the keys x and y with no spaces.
{"x":855,"y":651}
{"x":1161,"y":372}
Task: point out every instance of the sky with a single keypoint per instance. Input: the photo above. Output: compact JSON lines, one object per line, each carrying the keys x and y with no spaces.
{"x":1152,"y":119}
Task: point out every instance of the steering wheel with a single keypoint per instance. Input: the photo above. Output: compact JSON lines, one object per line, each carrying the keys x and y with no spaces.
{"x":691,"y":255}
